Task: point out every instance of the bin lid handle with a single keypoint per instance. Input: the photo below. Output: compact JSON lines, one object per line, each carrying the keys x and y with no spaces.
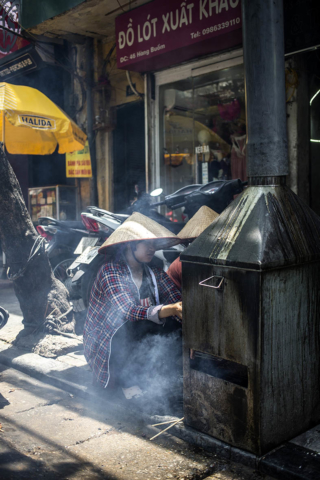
{"x":202,"y":283}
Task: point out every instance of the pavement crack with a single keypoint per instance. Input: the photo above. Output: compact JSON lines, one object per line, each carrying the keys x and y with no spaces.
{"x":40,"y":405}
{"x":96,"y":435}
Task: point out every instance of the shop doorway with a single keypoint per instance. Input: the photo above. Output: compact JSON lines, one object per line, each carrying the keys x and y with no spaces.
{"x":128,"y":155}
{"x":202,"y":127}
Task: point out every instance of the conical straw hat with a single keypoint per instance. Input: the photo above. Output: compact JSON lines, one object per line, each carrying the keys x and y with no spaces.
{"x":136,"y":228}
{"x":198,"y":223}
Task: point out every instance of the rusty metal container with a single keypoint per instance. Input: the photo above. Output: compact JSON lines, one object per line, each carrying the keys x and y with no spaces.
{"x":251,"y":321}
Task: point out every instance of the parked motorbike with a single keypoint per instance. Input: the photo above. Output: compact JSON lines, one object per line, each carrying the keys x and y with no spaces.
{"x":216,"y":195}
{"x":83,"y":271}
{"x":101,"y":223}
{"x":62,"y":237}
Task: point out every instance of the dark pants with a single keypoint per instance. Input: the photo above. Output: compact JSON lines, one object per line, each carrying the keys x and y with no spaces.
{"x":143,"y":352}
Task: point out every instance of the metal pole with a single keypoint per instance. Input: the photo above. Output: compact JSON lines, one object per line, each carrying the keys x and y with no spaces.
{"x":90,"y":132}
{"x":4,"y":258}
{"x":3,"y":129}
{"x":147,"y":121}
{"x":263,"y":44}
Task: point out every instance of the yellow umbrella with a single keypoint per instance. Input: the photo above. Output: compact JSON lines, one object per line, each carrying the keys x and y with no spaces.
{"x":31,"y":124}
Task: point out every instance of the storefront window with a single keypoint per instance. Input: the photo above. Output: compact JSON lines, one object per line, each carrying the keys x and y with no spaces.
{"x":202,"y":129}
{"x":177,"y":163}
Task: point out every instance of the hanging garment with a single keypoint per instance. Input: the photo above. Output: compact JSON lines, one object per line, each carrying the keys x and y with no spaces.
{"x":238,"y":157}
{"x":230,"y":111}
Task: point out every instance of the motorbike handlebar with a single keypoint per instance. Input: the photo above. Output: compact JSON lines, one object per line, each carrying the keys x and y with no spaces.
{"x":179,"y":205}
{"x":164,"y":203}
{"x":157,"y":204}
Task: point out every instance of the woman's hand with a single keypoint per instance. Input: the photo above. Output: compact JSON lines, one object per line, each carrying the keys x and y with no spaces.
{"x":178,"y":309}
{"x":174,"y":309}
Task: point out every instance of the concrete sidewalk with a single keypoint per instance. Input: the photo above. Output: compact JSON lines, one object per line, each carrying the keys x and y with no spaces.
{"x":298,"y":459}
{"x":48,"y":432}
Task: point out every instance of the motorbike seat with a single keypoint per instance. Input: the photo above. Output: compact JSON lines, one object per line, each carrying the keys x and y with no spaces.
{"x":120,"y":216}
{"x":70,"y":224}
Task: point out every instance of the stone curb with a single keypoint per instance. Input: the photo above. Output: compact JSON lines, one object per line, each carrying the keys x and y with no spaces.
{"x":286,"y":462}
{"x":291,"y":462}
{"x":5,"y":283}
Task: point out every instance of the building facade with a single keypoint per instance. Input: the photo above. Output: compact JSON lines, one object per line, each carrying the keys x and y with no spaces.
{"x":159,"y":88}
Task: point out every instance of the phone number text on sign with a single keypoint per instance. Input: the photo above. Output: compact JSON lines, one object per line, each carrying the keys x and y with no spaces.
{"x":221,"y":26}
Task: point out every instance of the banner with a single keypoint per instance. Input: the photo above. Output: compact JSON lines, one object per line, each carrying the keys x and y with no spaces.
{"x":166,"y":32}
{"x":78,"y":164}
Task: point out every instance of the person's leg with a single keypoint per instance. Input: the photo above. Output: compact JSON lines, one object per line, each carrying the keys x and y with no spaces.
{"x":142,"y":350}
{"x":157,"y":355}
{"x":120,"y":351}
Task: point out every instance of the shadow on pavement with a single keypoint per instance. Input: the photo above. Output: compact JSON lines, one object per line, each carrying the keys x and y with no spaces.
{"x":15,"y":465}
{"x":106,"y":407}
{"x":3,"y":401}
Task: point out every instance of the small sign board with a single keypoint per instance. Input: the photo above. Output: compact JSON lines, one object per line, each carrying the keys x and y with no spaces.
{"x":22,"y":64}
{"x":78,"y":164}
{"x":205,"y":172}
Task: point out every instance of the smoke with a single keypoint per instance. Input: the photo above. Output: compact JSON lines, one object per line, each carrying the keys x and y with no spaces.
{"x":155,"y":365}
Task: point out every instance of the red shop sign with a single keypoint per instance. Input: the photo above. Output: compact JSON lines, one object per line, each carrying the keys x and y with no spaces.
{"x":9,"y":19}
{"x":162,"y":33}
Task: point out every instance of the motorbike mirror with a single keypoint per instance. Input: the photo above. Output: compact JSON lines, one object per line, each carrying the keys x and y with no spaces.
{"x":156,"y":192}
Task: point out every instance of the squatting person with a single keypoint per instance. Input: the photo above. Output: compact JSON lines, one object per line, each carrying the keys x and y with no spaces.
{"x":129,"y":300}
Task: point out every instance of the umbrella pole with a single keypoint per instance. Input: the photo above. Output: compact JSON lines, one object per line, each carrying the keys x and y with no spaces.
{"x":3,"y":128}
{"x":4,"y":259}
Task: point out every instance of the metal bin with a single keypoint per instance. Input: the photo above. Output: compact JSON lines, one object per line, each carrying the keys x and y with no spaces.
{"x":251,"y":321}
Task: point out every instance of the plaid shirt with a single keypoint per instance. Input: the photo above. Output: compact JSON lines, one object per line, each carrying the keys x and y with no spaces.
{"x":114,"y":300}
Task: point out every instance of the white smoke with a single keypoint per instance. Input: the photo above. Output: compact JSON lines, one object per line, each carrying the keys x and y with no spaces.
{"x":156,"y":367}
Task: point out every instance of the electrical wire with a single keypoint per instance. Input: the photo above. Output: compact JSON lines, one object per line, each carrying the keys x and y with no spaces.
{"x":114,"y":65}
{"x":313,"y":140}
{"x":137,"y":94}
{"x":107,"y":60}
{"x":121,"y":6}
{"x":314,"y":96}
{"x":12,"y":32}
